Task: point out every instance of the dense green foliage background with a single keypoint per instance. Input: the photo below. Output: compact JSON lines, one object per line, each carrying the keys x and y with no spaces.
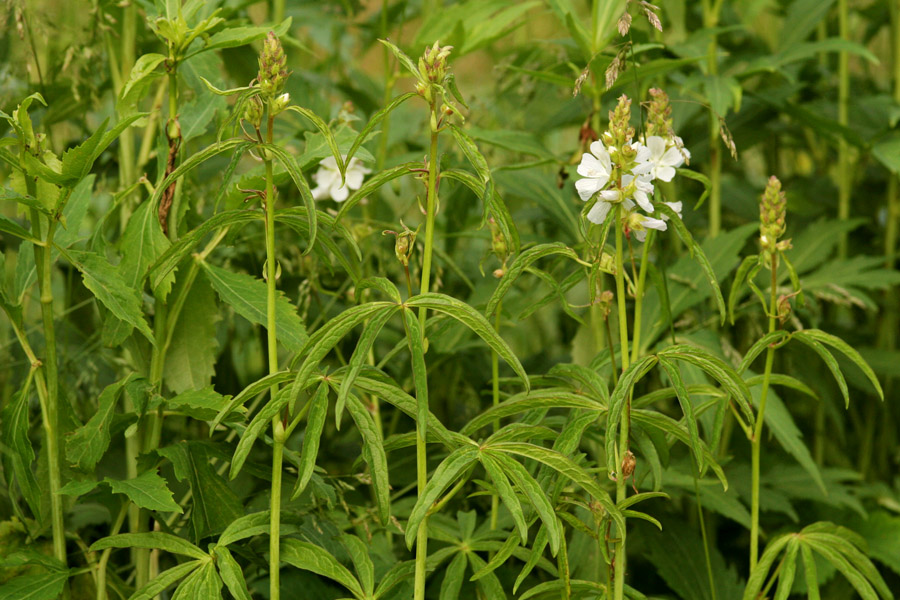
{"x":147,"y":419}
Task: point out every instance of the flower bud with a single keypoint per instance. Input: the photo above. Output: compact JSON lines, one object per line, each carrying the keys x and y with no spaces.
{"x":272,"y":67}
{"x":280,"y":103}
{"x":498,"y":273}
{"x":659,"y":114}
{"x":772,"y":209}
{"x":433,"y":63}
{"x":253,"y":114}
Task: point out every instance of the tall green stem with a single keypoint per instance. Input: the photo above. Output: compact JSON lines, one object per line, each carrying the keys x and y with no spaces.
{"x":278,"y":435}
{"x":639,"y":298}
{"x":756,"y":442}
{"x":495,"y":389}
{"x":126,"y":62}
{"x":844,"y":183}
{"x":621,"y":491}
{"x":711,"y":10}
{"x":43,"y":257}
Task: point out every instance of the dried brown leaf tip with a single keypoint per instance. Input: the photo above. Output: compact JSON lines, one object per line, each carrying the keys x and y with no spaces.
{"x":727,"y":138}
{"x":580,"y":81}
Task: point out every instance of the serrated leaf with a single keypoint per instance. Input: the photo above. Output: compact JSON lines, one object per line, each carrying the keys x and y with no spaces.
{"x":147,"y":490}
{"x":315,"y":422}
{"x":247,"y":295}
{"x":358,"y":360}
{"x":523,"y":261}
{"x":374,"y":455}
{"x":232,"y":37}
{"x":152,"y":540}
{"x":11,"y":227}
{"x":191,"y":356}
{"x":89,"y":443}
{"x":18,"y":455}
{"x":203,"y":582}
{"x":684,"y":400}
{"x":104,"y":281}
{"x":506,"y":493}
{"x":231,"y":573}
{"x":38,"y":586}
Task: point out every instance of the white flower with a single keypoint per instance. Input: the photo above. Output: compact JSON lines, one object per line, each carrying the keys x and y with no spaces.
{"x":662,"y":161}
{"x":675,"y":206}
{"x":328,"y":179}
{"x":639,"y":224}
{"x":595,"y":167}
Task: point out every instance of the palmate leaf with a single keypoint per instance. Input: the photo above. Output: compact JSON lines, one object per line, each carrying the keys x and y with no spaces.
{"x":472,"y":319}
{"x":446,"y":474}
{"x":289,"y":163}
{"x":506,"y":492}
{"x":377,"y":118}
{"x":203,"y":582}
{"x":537,"y":399}
{"x":315,"y":423}
{"x":359,"y":555}
{"x":231,"y":573}
{"x":627,"y":380}
{"x":420,"y":371}
{"x":687,"y":408}
{"x":373,"y":183}
{"x":316,"y":559}
{"x":257,"y":387}
{"x":373,"y":454}
{"x":360,"y":355}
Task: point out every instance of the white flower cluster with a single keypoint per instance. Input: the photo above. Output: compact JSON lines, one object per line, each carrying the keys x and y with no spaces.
{"x":328,"y":179}
{"x":657,"y":159}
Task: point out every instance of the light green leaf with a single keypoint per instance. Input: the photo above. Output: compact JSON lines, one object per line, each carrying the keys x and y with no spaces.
{"x":88,"y":443}
{"x":247,"y":295}
{"x":506,"y":493}
{"x":310,"y":557}
{"x":522,"y":261}
{"x":232,"y":37}
{"x":191,"y":357}
{"x":373,"y":454}
{"x":152,"y":540}
{"x":359,"y":554}
{"x":37,"y":586}
{"x":454,"y":576}
{"x":315,"y":422}
{"x":165,"y":579}
{"x":147,"y":490}
{"x":360,"y":355}
{"x":104,"y":281}
{"x":687,"y":408}
{"x":231,"y":573}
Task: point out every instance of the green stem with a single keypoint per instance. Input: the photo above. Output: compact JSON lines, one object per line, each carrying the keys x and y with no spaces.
{"x":711,"y":19}
{"x":709,"y":569}
{"x":127,"y":56}
{"x":639,"y":298}
{"x":756,"y":441}
{"x":277,"y":11}
{"x":277,"y":425}
{"x":621,"y":490}
{"x":104,"y":558}
{"x":430,"y":209}
{"x":495,"y":388}
{"x":421,"y":482}
{"x":43,"y":258}
{"x":844,"y":177}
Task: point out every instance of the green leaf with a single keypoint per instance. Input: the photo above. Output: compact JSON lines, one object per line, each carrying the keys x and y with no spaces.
{"x":847,"y":350}
{"x":359,"y":554}
{"x":247,"y":526}
{"x":454,"y":575}
{"x":522,"y":261}
{"x":203,"y":582}
{"x":360,"y":355}
{"x":887,"y":152}
{"x":231,"y":573}
{"x":627,"y":380}
{"x":143,"y":242}
{"x":809,"y":573}
{"x":786,"y":577}
{"x":405,"y":60}
{"x":472,"y":319}
{"x":740,"y":277}
{"x":104,"y":281}
{"x":687,"y":408}
{"x":323,"y":128}
{"x":531,"y":489}
{"x":89,"y":443}
{"x":166,"y":579}
{"x":829,"y":361}
{"x":315,"y":422}
{"x":759,"y":573}
{"x":214,"y":505}
{"x":164,"y":264}
{"x":257,"y":387}
{"x":444,"y":476}
{"x":152,"y":540}
{"x":802,"y":18}
{"x":11,"y":227}
{"x":77,"y":161}
{"x":191,"y":357}
{"x":310,"y":557}
{"x":377,"y":118}
{"x":373,"y":453}
{"x":255,"y":428}
{"x":232,"y":37}
{"x":147,"y":490}
{"x":396,"y":574}
{"x":414,"y":336}
{"x":37,"y":586}
{"x":247,"y":295}
{"x":506,"y":493}
{"x":535,"y":400}
{"x":698,"y":255}
{"x":142,"y":74}
{"x":373,"y":183}
{"x":289,"y":163}
{"x":18,"y":455}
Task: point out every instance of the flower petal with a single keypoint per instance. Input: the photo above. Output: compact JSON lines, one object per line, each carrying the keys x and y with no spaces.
{"x":588,"y":187}
{"x":664,"y":173}
{"x":643,"y":201}
{"x":651,"y":223}
{"x":598,"y":212}
{"x":590,"y":166}
{"x":672,"y":157}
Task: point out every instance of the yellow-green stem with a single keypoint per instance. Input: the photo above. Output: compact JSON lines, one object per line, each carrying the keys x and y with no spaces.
{"x":43,"y":257}
{"x":104,"y":558}
{"x":639,"y":298}
{"x":430,"y":208}
{"x":711,"y":12}
{"x":495,"y":388}
{"x":756,"y":441}
{"x":621,"y":490}
{"x":277,"y":425}
{"x":844,"y":177}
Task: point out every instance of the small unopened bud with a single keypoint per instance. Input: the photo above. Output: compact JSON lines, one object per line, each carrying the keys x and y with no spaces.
{"x":499,"y":273}
{"x":433,"y":63}
{"x":772,"y":210}
{"x":659,"y":114}
{"x":628,"y":464}
{"x":280,"y":103}
{"x":253,"y":114}
{"x":272,"y":67}
{"x":784,"y":308}
{"x":404,"y":243}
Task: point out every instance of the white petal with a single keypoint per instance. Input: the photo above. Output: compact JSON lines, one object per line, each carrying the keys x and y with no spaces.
{"x":339,"y":192}
{"x":672,"y":157}
{"x":643,"y":201}
{"x":354,"y":179}
{"x":664,"y":173}
{"x":357,"y":165}
{"x":598,"y":212}
{"x":329,"y":163}
{"x":642,"y":168}
{"x":675,"y":206}
{"x":590,"y":166}
{"x":657,"y":146}
{"x":611,"y":195}
{"x":599,"y":150}
{"x":641,"y":235}
{"x":320,"y":192}
{"x":588,"y":187}
{"x":651,"y":223}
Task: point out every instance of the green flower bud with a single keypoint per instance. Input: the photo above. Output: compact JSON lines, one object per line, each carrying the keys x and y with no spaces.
{"x":253,"y":114}
{"x":659,"y":114}
{"x":272,"y":67}
{"x":772,"y":209}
